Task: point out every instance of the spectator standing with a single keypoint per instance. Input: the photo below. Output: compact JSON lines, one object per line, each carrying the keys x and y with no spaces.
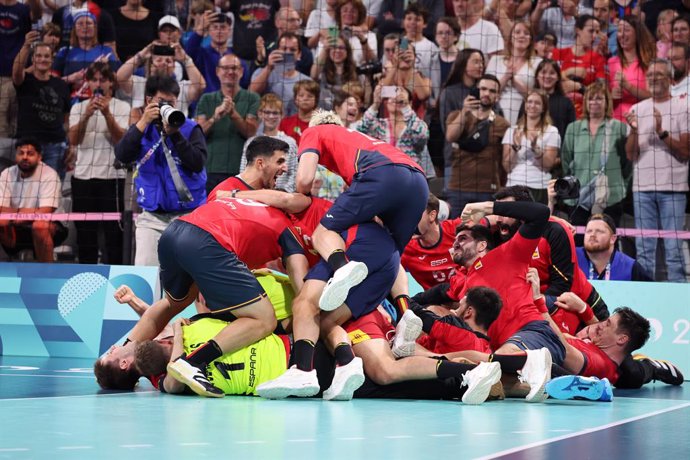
{"x":559,"y":19}
{"x":664,"y":32}
{"x":415,"y":20}
{"x":287,"y":20}
{"x":253,"y":19}
{"x":658,"y":145}
{"x":30,"y":186}
{"x":43,"y":102}
{"x":228,"y":118}
{"x":64,"y":18}
{"x":137,"y":26}
{"x":351,"y":19}
{"x":306,"y":96}
{"x":477,"y":32}
{"x":679,"y":55}
{"x":333,"y":68}
{"x":95,"y":126}
{"x":319,"y":22}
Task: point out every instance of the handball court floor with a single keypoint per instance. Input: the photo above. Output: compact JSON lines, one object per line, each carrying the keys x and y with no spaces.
{"x":53,"y":409}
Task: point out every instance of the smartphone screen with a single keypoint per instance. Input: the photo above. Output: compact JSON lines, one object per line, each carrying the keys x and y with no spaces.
{"x":404,"y":43}
{"x":388,"y":91}
{"x":474,"y":92}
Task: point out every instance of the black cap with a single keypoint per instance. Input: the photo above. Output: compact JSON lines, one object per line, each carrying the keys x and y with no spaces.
{"x":546,"y":34}
{"x":608,"y":220}
{"x":223,"y":18}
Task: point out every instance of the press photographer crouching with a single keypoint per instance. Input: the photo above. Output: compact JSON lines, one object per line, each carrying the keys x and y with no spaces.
{"x":169,"y":152}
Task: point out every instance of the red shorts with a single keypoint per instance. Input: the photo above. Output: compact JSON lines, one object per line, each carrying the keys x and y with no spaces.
{"x":370,"y":326}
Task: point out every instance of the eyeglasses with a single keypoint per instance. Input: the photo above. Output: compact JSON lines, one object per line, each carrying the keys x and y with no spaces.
{"x":228,"y":68}
{"x":270,"y":113}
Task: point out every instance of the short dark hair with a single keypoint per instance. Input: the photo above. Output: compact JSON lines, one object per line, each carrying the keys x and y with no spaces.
{"x":432,"y":203}
{"x":417,"y":10}
{"x":486,"y":303}
{"x":519,"y":192}
{"x":29,"y":141}
{"x":265,"y":146}
{"x":478,"y":233}
{"x":100,"y":67}
{"x":684,"y":46}
{"x":635,"y":326}
{"x":163,"y":84}
{"x":488,"y":76}
{"x":582,"y":21}
{"x":111,"y":377}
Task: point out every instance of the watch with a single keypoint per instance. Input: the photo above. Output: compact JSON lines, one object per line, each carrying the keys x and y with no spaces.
{"x":663,"y":135}
{"x":234,"y":192}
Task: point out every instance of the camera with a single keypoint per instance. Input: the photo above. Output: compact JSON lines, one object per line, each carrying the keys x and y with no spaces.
{"x":346,"y":33}
{"x":567,"y":187}
{"x":170,"y":115}
{"x":369,"y":68}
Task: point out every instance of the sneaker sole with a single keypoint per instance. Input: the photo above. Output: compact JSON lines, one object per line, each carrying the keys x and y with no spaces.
{"x":334,"y":294}
{"x":413,"y":329}
{"x":347,"y":391}
{"x":195,"y":386}
{"x":284,"y":392}
{"x":480,"y":392}
{"x":539,"y":395}
{"x":572,"y":386}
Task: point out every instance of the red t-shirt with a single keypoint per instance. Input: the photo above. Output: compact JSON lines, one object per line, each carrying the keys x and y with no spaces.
{"x":598,"y":363}
{"x":293,"y":127}
{"x":228,"y":185}
{"x":347,"y":152}
{"x":503,"y":269}
{"x":306,"y":222}
{"x":593,"y":63}
{"x":432,"y":265}
{"x":250,"y":229}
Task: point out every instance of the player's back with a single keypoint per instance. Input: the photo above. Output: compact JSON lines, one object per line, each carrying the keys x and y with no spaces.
{"x":306,"y":222}
{"x":246,"y":227}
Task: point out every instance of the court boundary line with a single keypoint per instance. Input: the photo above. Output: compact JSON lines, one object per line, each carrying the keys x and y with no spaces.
{"x":544,"y":442}
{"x":98,"y":395}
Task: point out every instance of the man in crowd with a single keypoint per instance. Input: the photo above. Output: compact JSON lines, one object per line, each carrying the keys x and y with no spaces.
{"x":228,"y":118}
{"x":679,"y":55}
{"x":170,"y":179}
{"x":30,"y":186}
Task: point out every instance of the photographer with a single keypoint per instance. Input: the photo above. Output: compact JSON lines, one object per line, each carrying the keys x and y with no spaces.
{"x":95,"y":126}
{"x":170,"y":178}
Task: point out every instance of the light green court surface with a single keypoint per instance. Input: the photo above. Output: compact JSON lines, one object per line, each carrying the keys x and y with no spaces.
{"x":52,"y":410}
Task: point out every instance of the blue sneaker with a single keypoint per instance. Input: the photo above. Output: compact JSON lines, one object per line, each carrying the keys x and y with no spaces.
{"x":578,"y":387}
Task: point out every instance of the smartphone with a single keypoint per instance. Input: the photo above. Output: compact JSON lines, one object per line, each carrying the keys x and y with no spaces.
{"x":289,"y":59}
{"x":388,"y":91}
{"x":333,"y":32}
{"x":404,"y":43}
{"x":474,"y":92}
{"x":38,"y":25}
{"x":98,"y":92}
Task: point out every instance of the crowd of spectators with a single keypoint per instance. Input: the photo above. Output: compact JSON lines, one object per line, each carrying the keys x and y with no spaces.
{"x":483,"y":94}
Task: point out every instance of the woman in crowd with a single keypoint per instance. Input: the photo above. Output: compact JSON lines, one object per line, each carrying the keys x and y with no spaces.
{"x":561,"y":108}
{"x":332,"y":69}
{"x":627,"y":79}
{"x":594,"y":152}
{"x":515,"y":70}
{"x":581,"y":65}
{"x":71,"y":61}
{"x":401,"y":71}
{"x":447,"y":36}
{"x":530,"y":148}
{"x":681,"y":30}
{"x":351,"y":20}
{"x":401,"y":127}
{"x":347,"y":103}
{"x":137,"y":26}
{"x":664,"y":32}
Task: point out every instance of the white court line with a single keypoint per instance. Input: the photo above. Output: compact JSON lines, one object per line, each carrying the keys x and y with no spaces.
{"x":50,"y":375}
{"x":123,"y":393}
{"x":136,"y":446}
{"x":75,"y":447}
{"x":14,"y":449}
{"x":579,"y":433}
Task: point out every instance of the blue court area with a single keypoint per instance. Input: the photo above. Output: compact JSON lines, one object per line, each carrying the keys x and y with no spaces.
{"x":53,"y":408}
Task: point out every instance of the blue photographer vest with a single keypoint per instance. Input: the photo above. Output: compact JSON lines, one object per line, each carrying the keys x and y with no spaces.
{"x":620,"y":268}
{"x":155,"y":187}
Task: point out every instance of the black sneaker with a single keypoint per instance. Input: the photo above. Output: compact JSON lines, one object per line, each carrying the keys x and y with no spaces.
{"x":662,"y":370}
{"x":193,"y":377}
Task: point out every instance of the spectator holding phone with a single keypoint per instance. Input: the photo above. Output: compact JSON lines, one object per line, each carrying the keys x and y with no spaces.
{"x":351,"y":17}
{"x":401,"y":71}
{"x":333,"y":68}
{"x":287,"y":20}
{"x":320,"y":22}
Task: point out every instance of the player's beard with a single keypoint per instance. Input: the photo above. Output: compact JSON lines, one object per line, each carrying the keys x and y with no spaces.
{"x":506,"y":232}
{"x":151,"y":358}
{"x":463,"y":257}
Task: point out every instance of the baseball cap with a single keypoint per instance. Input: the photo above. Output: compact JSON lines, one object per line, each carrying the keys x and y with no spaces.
{"x":169,"y":19}
{"x":608,"y":220}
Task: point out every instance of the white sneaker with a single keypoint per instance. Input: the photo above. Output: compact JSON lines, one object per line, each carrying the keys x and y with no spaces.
{"x":406,"y":333}
{"x":536,"y":372}
{"x":344,"y":279}
{"x":294,"y":382}
{"x":479,"y":382}
{"x":346,"y":380}
{"x":193,"y":377}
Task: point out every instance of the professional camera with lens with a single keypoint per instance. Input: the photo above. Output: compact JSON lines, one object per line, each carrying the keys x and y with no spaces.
{"x":369,"y":68}
{"x":567,"y":187}
{"x":170,"y":115}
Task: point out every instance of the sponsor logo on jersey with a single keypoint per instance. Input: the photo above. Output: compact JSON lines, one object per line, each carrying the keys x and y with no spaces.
{"x":436,"y":263}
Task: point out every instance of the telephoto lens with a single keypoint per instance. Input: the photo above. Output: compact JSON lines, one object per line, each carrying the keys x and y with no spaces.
{"x":171,"y":116}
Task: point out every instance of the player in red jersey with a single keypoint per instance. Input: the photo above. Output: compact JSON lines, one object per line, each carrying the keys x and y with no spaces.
{"x":383,"y":182}
{"x":211,"y":250}
{"x":556,"y":261}
{"x":261,"y":172}
{"x":427,"y":257}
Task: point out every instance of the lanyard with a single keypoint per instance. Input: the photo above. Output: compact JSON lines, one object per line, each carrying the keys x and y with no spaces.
{"x":594,"y":276}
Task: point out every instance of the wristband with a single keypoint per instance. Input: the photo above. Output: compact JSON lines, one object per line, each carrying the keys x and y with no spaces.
{"x":233,"y":194}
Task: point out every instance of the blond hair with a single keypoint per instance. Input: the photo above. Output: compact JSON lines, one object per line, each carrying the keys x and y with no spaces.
{"x":325,"y":117}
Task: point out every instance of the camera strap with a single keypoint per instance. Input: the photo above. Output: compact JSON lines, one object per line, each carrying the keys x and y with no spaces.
{"x":182,"y":189}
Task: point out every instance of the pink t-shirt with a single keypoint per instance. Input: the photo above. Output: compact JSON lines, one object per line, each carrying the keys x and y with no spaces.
{"x":635,"y":76}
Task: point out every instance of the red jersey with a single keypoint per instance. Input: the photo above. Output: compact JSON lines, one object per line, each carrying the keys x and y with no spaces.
{"x":448,"y":334}
{"x":503,"y":269}
{"x":228,"y":185}
{"x":306,"y":222}
{"x":293,"y":127}
{"x":252,"y":230}
{"x":593,"y":63}
{"x":598,"y":363}
{"x":347,"y":152}
{"x":432,"y":265}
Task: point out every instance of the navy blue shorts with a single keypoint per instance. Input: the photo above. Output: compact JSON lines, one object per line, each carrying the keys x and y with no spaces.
{"x":188,"y":254}
{"x":396,"y":194}
{"x":538,"y":334}
{"x":372,"y":245}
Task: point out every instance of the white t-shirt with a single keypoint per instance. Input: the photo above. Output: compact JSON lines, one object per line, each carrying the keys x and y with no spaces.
{"x":526,"y":170}
{"x":41,"y":189}
{"x":553,"y":20}
{"x":425,"y":52}
{"x":511,"y":99}
{"x":484,"y":36}
{"x":657,"y":170}
{"x":318,"y":19}
{"x":96,"y":153}
{"x":357,"y":53}
{"x":139,"y":91}
{"x":683,"y":87}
